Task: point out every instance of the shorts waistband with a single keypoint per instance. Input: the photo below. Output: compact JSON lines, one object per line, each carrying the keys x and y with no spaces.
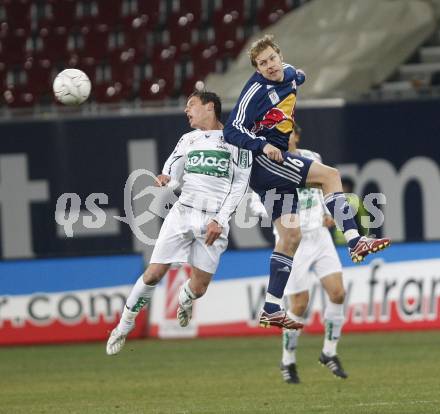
{"x":201,"y":210}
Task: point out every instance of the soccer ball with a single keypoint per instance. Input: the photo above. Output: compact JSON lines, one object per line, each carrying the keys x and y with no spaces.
{"x":71,"y":87}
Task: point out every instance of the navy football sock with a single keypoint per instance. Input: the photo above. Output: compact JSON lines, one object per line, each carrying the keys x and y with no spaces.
{"x":280,"y":267}
{"x":343,"y":215}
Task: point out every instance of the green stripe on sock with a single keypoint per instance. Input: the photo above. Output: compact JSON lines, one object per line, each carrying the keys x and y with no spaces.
{"x":329,"y":330}
{"x":139,"y":304}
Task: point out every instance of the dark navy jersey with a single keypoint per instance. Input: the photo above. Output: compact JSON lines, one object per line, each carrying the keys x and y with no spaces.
{"x":264,"y":112}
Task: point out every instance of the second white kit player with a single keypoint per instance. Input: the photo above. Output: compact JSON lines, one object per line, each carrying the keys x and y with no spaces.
{"x":316,"y":255}
{"x":215,"y":178}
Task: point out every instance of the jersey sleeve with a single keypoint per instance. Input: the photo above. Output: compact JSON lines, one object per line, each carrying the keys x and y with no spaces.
{"x":175,"y":163}
{"x":241,"y":171}
{"x":293,"y":74}
{"x":256,"y":207}
{"x":239,"y":124}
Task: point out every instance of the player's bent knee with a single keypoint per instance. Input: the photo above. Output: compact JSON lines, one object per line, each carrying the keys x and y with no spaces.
{"x":337,"y":296}
{"x":154,"y":273}
{"x":199,"y":290}
{"x":290,"y":239}
{"x":332,"y":174}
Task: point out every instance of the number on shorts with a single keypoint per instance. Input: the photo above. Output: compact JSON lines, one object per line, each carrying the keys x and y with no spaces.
{"x":296,"y":162}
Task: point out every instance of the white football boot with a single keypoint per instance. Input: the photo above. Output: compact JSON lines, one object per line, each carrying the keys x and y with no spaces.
{"x":184,"y":310}
{"x":184,"y":313}
{"x":116,"y":341}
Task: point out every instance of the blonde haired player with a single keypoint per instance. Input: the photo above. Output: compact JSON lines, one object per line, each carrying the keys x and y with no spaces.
{"x":262,"y":121}
{"x":316,"y":254}
{"x":215,"y":178}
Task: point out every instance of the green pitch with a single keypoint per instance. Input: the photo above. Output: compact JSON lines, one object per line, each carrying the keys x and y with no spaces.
{"x":389,"y":373}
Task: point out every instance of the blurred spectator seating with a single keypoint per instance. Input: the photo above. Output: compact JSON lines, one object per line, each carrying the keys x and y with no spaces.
{"x":147,"y":49}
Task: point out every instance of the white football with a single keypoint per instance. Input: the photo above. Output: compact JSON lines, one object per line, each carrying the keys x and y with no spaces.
{"x":71,"y":87}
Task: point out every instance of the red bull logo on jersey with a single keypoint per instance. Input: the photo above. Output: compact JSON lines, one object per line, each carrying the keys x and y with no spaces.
{"x":279,"y":117}
{"x":271,"y":118}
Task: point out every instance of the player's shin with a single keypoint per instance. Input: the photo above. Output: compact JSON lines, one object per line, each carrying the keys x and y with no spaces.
{"x":290,"y":341}
{"x":186,"y":295}
{"x":184,"y":310}
{"x":280,"y":267}
{"x":334,"y":320}
{"x":344,"y":216}
{"x":139,"y":296}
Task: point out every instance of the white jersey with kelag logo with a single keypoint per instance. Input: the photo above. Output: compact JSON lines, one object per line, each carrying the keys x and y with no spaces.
{"x":215,"y":174}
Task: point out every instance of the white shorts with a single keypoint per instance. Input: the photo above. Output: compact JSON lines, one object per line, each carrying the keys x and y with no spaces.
{"x":316,"y":255}
{"x":182,"y":239}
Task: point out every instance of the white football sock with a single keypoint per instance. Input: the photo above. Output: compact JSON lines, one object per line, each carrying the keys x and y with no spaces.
{"x":139,"y":296}
{"x":290,"y":341}
{"x":186,"y":295}
{"x":273,"y":299}
{"x":351,"y":234}
{"x":334,"y":320}
{"x":127,"y":321}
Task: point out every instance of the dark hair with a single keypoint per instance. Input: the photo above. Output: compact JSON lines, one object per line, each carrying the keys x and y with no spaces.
{"x":347,"y":182}
{"x":297,"y":129}
{"x":207,"y":97}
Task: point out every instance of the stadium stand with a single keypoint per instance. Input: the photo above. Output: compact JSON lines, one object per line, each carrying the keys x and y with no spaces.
{"x":417,"y":76}
{"x":130,"y":49}
{"x":345,"y":50}
{"x":156,"y":50}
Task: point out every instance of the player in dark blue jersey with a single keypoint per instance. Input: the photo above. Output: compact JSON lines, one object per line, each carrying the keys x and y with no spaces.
{"x":262,"y":121}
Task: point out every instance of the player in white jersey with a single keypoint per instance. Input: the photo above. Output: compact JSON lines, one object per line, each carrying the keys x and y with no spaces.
{"x":215,"y":178}
{"x":316,"y":255}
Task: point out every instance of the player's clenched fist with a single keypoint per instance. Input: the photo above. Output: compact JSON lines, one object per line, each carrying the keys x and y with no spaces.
{"x":162,"y":180}
{"x":273,"y":153}
{"x":213,"y":232}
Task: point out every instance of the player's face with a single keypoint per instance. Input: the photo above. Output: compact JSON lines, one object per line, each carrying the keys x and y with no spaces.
{"x":270,"y":65}
{"x":196,"y":112}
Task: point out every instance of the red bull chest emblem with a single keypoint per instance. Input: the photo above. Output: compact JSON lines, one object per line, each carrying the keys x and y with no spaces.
{"x":271,"y":118}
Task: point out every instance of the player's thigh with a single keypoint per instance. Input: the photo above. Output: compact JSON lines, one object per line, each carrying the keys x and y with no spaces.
{"x":288,"y":225}
{"x":174,"y":240}
{"x":289,"y":233}
{"x":155,"y":272}
{"x":327,"y":261}
{"x":320,"y":173}
{"x":206,"y":257}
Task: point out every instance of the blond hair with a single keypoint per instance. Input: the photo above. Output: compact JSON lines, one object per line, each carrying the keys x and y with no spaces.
{"x":262,"y":44}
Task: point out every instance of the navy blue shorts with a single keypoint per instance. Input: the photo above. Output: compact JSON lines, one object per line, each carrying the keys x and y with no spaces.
{"x":279,"y":181}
